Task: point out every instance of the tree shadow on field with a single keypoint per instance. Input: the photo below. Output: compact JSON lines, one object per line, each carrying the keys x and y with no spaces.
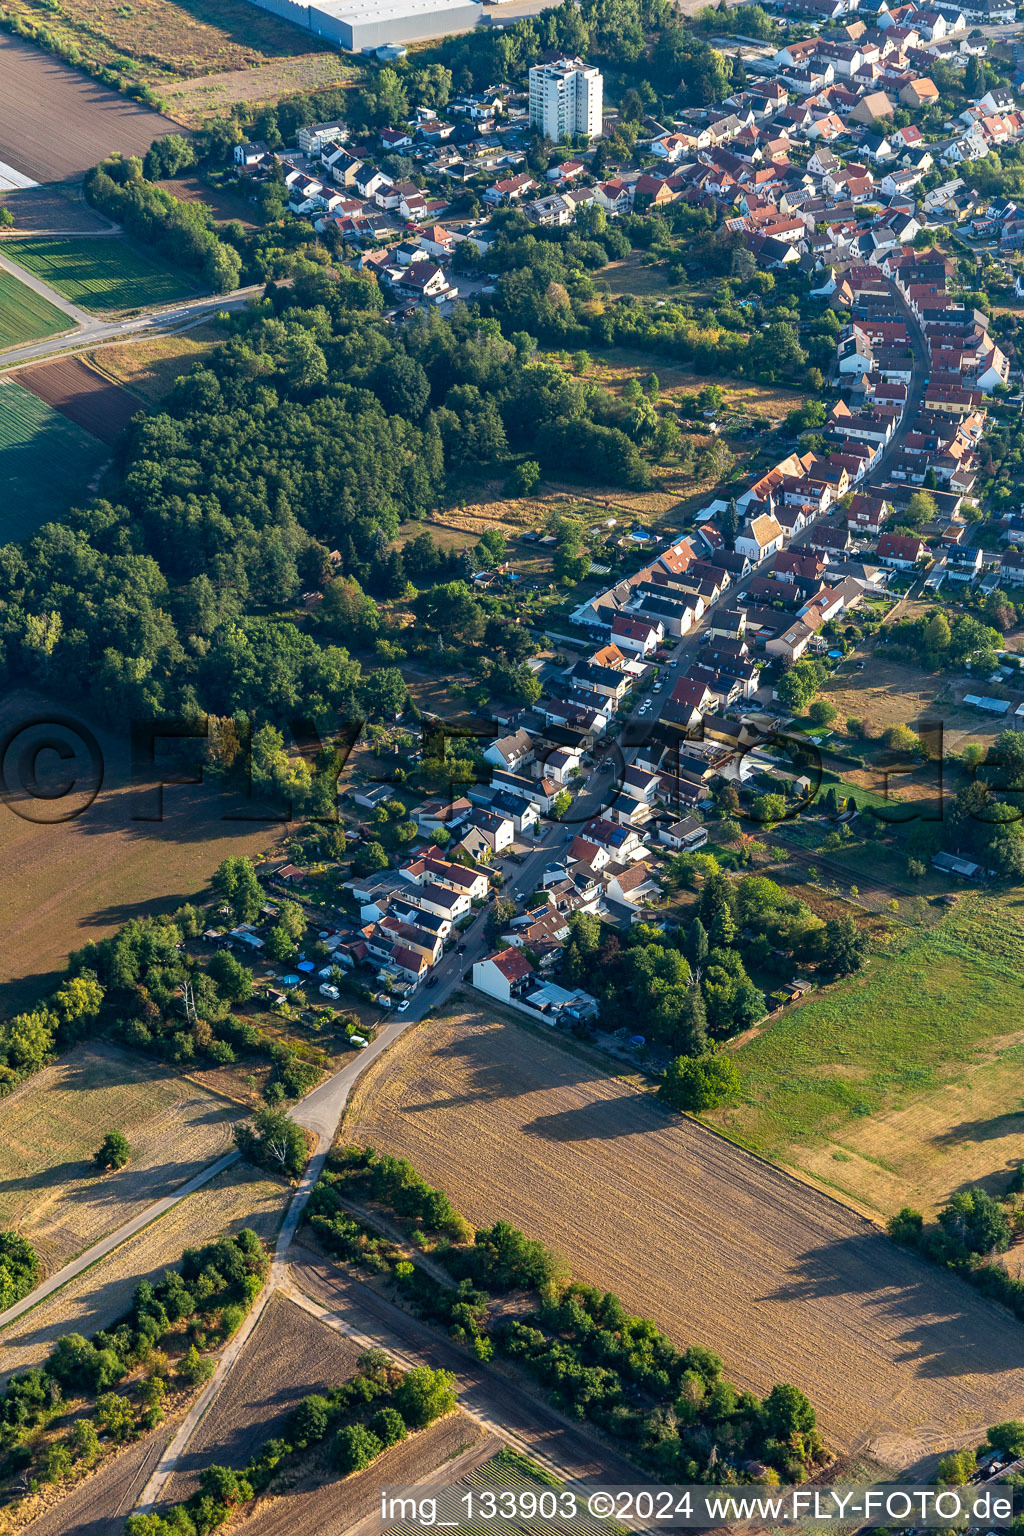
{"x":261,"y":1417}
{"x":935,"y":1321}
{"x":1011,"y":1123}
{"x":502,"y":1061}
{"x":603,"y":1120}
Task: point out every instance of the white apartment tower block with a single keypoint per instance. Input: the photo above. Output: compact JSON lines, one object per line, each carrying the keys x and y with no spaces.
{"x":566,"y":99}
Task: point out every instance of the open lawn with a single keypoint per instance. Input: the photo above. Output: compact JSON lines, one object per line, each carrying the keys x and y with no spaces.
{"x":633,"y":276}
{"x":79,"y":879}
{"x":612,"y":366}
{"x":25,"y":315}
{"x":890,"y":692}
{"x":100,"y":274}
{"x":898,"y":1086}
{"x":151,"y":365}
{"x":33,"y":435}
{"x":718,"y":1247}
{"x":239,"y":1197}
{"x":195,"y":100}
{"x":54,"y":1122}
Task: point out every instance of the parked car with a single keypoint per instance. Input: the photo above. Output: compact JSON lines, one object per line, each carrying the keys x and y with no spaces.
{"x":403,"y":1005}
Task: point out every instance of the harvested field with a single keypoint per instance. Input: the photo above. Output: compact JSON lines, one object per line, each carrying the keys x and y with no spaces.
{"x":100,"y":1505}
{"x":239,"y":1197}
{"x":37,"y":91}
{"x":150,"y":366}
{"x":289,"y":1355}
{"x":82,"y":395}
{"x":26,"y":315}
{"x":55,"y":1121}
{"x":892,"y":1117}
{"x":100,"y":274}
{"x":39,"y":210}
{"x":719,"y":1248}
{"x":195,"y":101}
{"x":80,"y":879}
{"x":321,"y":1504}
{"x":224,"y":205}
{"x":32,"y":434}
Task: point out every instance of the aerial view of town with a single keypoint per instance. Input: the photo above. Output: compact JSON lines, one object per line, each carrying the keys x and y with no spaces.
{"x":511,"y":765}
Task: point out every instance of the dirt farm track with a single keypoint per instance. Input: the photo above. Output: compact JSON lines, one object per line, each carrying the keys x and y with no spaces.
{"x":901,"y":1359}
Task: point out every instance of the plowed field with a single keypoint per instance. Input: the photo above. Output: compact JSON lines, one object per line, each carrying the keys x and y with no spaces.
{"x":82,"y":395}
{"x":289,"y":1356}
{"x":717,"y":1246}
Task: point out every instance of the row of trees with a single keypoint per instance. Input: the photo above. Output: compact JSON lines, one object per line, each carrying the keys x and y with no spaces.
{"x":672,"y":1410}
{"x":357,"y":1420}
{"x":208,"y":1295}
{"x":183,"y":232}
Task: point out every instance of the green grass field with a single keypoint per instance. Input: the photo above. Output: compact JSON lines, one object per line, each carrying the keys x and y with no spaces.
{"x":878,"y":1067}
{"x":46,"y":462}
{"x":100,"y":274}
{"x":24,"y":315}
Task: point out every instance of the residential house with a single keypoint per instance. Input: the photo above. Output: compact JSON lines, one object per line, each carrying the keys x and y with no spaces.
{"x":503,"y":975}
{"x":511,"y":752}
{"x":900,"y":551}
{"x":761,"y":538}
{"x":685,"y":835}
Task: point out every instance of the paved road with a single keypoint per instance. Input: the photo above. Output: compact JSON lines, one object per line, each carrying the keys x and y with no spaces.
{"x":73,"y":311}
{"x":92,"y":330}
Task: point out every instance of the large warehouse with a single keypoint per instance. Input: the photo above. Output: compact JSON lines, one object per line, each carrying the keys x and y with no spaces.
{"x":359,"y":24}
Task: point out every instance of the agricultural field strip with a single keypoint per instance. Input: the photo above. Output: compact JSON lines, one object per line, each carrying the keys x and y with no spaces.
{"x":37,"y":91}
{"x":880,"y":1340}
{"x":83,"y":395}
{"x":99,"y":1251}
{"x":288,"y":1356}
{"x":339,"y":1324}
{"x":98,"y":273}
{"x":25,"y":314}
{"x":568,"y":1446}
{"x":238,"y":1198}
{"x":33,"y":433}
